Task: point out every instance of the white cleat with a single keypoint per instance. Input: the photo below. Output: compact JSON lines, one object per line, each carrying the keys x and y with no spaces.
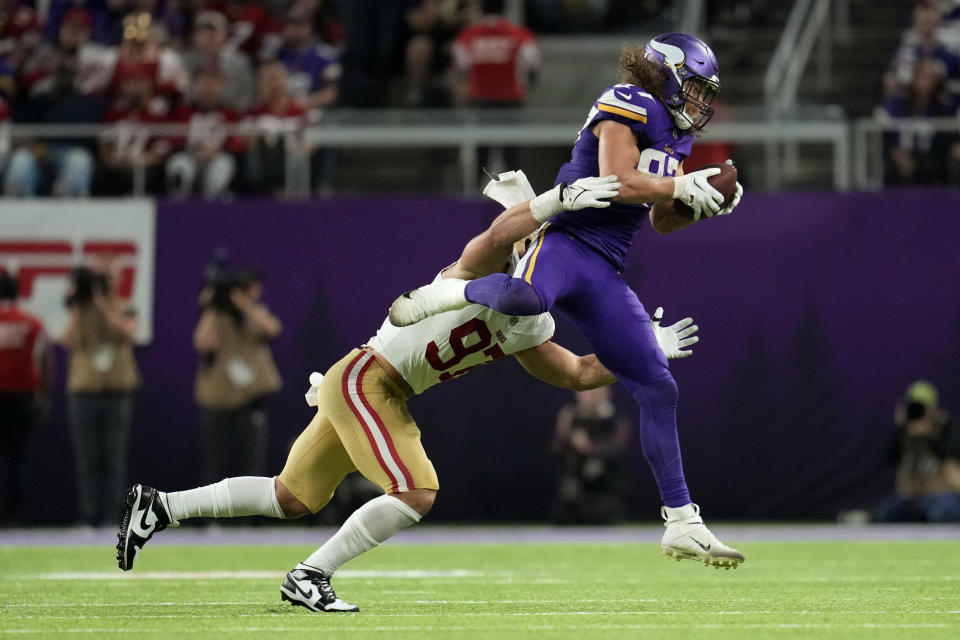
{"x":429,"y":300}
{"x":687,"y":538}
{"x":308,"y":587}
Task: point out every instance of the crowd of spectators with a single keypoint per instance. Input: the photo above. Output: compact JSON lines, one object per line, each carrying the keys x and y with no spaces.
{"x":923,"y":81}
{"x":241,"y":79}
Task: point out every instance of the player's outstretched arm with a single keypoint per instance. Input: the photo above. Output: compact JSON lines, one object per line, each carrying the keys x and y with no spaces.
{"x":562,"y":368}
{"x":488,"y":252}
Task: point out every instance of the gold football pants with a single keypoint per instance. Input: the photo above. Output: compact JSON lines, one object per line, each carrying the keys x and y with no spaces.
{"x":362,"y":423}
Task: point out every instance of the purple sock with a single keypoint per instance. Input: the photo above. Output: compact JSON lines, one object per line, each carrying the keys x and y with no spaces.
{"x":511,"y":296}
{"x":658,"y":437}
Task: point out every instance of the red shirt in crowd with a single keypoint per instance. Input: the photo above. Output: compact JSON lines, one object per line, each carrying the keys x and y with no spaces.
{"x":497,"y":57}
{"x":130,"y":141}
{"x":282,"y":122}
{"x":22,"y":343}
{"x":207,"y":127}
{"x":19,"y":32}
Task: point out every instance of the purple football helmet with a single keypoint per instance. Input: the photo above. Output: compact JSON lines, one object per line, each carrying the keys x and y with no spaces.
{"x":692,"y":77}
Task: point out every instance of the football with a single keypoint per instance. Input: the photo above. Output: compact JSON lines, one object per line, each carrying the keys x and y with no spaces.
{"x":725,"y":182}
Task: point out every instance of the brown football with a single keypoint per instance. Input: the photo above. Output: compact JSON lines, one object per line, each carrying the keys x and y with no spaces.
{"x":725,"y":182}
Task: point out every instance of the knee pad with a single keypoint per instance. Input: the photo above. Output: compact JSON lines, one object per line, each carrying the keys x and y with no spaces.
{"x":662,"y":394}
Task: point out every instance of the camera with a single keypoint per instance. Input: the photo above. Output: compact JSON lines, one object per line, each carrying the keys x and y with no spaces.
{"x":86,"y":283}
{"x":916,"y":410}
{"x":220,"y":281}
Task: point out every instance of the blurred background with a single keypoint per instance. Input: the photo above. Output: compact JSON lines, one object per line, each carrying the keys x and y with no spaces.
{"x":301,"y":163}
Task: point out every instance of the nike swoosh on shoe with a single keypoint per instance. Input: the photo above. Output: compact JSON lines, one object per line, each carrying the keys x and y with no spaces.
{"x":700,"y":544}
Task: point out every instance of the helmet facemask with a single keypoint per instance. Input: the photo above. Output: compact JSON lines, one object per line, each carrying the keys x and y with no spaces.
{"x":699,"y":92}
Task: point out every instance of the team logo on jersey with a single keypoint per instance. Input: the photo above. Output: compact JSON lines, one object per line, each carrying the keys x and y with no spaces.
{"x":668,"y":149}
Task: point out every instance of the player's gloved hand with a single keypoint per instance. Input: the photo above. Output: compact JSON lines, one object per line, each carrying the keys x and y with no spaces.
{"x":584,"y":193}
{"x":736,"y":198}
{"x":694,"y":190}
{"x":674,"y":338}
{"x":311,"y":394}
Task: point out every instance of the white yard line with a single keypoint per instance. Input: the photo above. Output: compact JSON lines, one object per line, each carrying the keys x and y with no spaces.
{"x":366,"y":629}
{"x":261,"y":603}
{"x":246,"y":575}
{"x":486,"y":614}
{"x":500,"y":577}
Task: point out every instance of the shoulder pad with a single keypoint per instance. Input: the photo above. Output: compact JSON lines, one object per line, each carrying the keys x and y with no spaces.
{"x":626,"y":100}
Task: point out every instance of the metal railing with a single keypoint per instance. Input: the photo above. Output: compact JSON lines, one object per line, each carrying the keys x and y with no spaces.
{"x":693,"y":16}
{"x":868,"y":144}
{"x":808,"y":22}
{"x":855,"y":148}
{"x":776,"y":70}
{"x":817,"y":21}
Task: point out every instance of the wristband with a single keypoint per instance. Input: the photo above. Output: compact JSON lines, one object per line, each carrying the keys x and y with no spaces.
{"x":678,"y":187}
{"x":547,"y":204}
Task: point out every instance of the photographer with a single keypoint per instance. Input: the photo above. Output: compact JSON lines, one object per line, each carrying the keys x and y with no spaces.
{"x":591,"y":438}
{"x":101,"y":378}
{"x":236,"y":372}
{"x":927,"y":454}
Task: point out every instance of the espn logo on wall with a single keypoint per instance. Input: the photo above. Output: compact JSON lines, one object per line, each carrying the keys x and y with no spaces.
{"x":41,"y":241}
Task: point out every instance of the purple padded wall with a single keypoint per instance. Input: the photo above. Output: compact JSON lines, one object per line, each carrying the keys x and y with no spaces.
{"x":815,"y":310}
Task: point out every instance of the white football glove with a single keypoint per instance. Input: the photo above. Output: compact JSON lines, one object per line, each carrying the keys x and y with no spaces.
{"x":694,"y":190}
{"x":311,"y":394}
{"x":736,"y":198}
{"x":674,"y":338}
{"x":584,"y":193}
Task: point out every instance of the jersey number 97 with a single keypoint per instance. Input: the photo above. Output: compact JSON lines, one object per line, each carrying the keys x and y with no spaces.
{"x":457,"y":338}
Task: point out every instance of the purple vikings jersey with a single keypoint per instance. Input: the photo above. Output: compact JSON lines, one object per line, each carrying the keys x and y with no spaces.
{"x":311,"y":70}
{"x":662,"y":148}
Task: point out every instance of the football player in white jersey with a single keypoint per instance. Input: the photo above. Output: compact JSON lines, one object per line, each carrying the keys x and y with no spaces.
{"x":362,"y":422}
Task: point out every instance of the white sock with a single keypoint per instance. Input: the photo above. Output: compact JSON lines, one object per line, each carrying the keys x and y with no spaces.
{"x":368,"y":526}
{"x":679,"y":514}
{"x":229,"y":498}
{"x":446,"y":294}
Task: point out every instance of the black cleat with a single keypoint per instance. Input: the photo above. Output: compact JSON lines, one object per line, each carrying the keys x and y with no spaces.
{"x":308,"y":587}
{"x":143,"y":516}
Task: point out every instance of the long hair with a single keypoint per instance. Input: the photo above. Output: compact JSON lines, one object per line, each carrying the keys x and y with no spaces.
{"x":636,"y":69}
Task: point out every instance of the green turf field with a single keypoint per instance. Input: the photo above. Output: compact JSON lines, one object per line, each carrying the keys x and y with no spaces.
{"x":846,"y":590}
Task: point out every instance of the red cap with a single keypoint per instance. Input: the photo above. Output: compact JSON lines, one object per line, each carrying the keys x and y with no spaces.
{"x":77,"y":14}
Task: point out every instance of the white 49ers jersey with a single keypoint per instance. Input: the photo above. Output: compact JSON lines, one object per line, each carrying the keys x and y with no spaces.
{"x":449,"y":344}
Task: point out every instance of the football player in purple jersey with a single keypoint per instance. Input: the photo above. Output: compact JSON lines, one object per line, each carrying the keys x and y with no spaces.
{"x":640,"y":130}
